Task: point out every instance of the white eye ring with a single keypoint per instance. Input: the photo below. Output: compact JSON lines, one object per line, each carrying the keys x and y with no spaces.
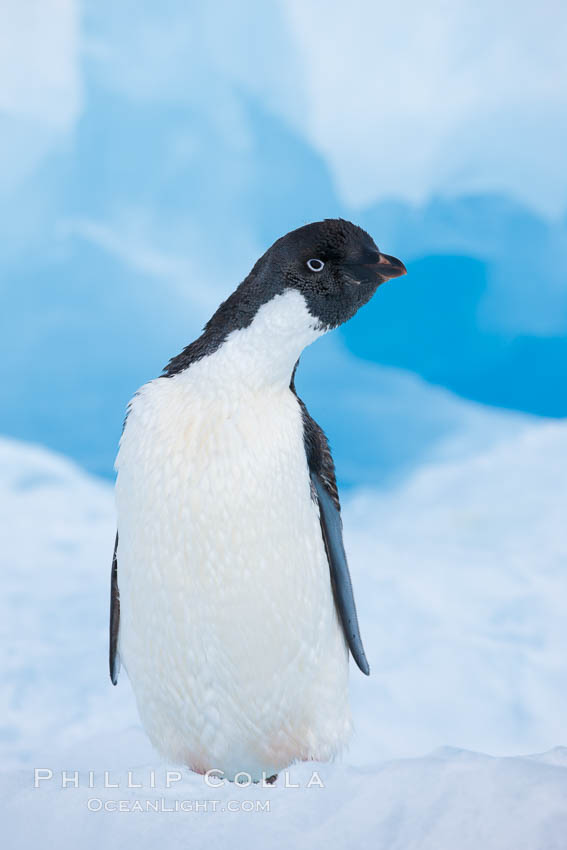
{"x":315,"y":265}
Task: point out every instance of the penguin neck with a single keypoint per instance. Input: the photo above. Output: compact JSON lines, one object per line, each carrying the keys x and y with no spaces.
{"x":263,"y":355}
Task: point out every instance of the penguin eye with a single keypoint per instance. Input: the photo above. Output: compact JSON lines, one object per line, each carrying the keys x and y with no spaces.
{"x":315,"y":265}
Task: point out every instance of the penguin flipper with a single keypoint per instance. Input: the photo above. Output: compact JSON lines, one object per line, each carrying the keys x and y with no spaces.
{"x":332,"y":529}
{"x":113,"y":656}
{"x":324,"y":488}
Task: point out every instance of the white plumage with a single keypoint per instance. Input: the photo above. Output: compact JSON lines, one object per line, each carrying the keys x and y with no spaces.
{"x":228,"y":628}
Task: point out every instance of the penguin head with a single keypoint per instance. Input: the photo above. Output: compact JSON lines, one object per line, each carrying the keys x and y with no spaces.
{"x":334,"y":264}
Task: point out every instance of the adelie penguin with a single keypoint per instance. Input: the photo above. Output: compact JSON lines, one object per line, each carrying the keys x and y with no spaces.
{"x":231,"y":605}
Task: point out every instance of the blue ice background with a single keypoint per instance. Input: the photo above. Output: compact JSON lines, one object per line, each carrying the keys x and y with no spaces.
{"x":216,"y":178}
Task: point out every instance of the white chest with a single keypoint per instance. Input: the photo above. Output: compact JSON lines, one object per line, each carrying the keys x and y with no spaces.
{"x":213,"y":467}
{"x":228,"y":627}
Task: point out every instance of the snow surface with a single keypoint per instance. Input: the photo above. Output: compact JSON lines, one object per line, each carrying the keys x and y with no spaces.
{"x":448,"y":800}
{"x":459,"y":576}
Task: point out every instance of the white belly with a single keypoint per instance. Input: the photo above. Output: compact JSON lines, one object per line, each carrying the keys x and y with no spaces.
{"x":228,"y":628}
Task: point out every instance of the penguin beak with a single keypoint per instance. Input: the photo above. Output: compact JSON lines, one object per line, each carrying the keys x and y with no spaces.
{"x":381,"y":266}
{"x":388,"y":267}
